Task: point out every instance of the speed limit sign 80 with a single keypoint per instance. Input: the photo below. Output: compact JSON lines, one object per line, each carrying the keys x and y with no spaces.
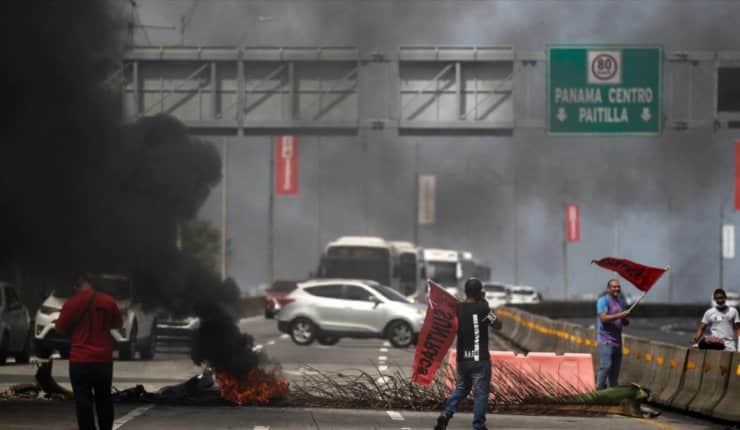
{"x":604,"y":67}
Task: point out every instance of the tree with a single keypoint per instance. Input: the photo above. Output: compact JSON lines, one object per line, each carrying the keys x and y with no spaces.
{"x":201,"y":240}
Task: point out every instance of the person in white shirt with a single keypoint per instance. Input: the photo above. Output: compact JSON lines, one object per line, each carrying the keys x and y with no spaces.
{"x":723,"y":322}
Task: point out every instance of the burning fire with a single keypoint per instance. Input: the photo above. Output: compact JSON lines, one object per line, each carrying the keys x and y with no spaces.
{"x":258,"y":388}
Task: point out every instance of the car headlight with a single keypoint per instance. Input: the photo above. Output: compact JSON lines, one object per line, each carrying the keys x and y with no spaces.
{"x":48,"y":310}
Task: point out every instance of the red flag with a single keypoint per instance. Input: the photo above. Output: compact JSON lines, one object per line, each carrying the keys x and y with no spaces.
{"x":642,"y":277}
{"x":437,"y":334}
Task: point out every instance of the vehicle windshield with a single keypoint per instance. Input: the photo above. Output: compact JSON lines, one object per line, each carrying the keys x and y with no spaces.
{"x":388,"y":293}
{"x":119,"y":287}
{"x":495,"y":288}
{"x":444,"y":273}
{"x":283,"y":286}
{"x":357,"y":263}
{"x":407,"y":267}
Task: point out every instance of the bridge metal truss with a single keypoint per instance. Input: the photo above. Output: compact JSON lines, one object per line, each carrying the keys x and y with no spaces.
{"x":439,"y":87}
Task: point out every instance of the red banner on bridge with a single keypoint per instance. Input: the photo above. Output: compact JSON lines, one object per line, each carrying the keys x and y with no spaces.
{"x":737,"y":176}
{"x":437,"y":334}
{"x":286,"y":165}
{"x":573,"y":223}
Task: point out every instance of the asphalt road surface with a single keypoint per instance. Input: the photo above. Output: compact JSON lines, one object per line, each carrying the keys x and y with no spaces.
{"x":373,"y":355}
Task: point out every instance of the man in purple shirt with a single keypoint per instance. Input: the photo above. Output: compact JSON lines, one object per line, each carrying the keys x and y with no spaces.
{"x":611,"y":318}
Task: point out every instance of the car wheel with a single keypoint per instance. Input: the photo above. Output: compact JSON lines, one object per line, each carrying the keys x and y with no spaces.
{"x":4,"y":348}
{"x":147,"y":349}
{"x":25,"y":355}
{"x":400,"y":334}
{"x":128,"y":349}
{"x":327,"y":340}
{"x":302,"y":331}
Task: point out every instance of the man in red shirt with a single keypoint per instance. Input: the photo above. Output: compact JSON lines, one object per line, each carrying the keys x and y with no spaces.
{"x":87,"y":318}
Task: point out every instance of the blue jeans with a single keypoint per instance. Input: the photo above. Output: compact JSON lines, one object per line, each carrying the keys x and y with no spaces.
{"x":472,"y":374}
{"x":610,"y":361}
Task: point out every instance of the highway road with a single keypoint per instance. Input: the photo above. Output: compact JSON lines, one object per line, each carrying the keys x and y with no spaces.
{"x":373,"y":355}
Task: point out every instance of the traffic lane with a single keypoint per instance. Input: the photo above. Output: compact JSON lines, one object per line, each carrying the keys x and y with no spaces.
{"x":52,"y":415}
{"x":47,"y":415}
{"x":152,"y":374}
{"x":675,"y":331}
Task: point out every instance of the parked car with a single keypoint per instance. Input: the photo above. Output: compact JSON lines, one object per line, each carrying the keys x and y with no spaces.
{"x":519,"y":294}
{"x":733,"y":299}
{"x":172,"y":328}
{"x":275,"y":295}
{"x":329,"y":309}
{"x":496,"y":294}
{"x":15,"y":323}
{"x":137,"y":333}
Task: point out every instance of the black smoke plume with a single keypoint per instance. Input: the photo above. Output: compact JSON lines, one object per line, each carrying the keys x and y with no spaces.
{"x":79,"y":189}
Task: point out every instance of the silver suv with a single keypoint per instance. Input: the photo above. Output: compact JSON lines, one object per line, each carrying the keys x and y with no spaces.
{"x":329,"y":309}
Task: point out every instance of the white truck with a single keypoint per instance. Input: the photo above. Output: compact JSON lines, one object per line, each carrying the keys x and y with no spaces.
{"x":444,"y":267}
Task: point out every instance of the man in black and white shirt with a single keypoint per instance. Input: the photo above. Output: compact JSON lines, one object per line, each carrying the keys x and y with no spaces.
{"x":474,"y":317}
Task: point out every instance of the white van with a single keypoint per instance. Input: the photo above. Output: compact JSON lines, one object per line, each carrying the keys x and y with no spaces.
{"x":137,"y":333}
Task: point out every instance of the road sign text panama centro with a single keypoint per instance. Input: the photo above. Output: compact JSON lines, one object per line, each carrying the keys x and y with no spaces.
{"x":604,"y":89}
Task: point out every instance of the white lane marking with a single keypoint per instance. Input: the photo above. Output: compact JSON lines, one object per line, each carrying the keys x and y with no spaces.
{"x":300,"y":372}
{"x":284,"y":336}
{"x":129,"y":416}
{"x":271,"y":342}
{"x":383,"y":349}
{"x":261,"y":427}
{"x":256,"y":347}
{"x":386,"y":344}
{"x":251,"y":319}
{"x":395,"y":416}
{"x":383,"y":357}
{"x":382,"y":368}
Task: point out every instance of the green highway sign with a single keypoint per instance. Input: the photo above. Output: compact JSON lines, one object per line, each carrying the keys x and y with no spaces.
{"x":604,"y":89}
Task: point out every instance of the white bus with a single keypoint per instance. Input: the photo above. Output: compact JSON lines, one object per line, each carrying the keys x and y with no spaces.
{"x":360,"y":257}
{"x":411,"y":271}
{"x":443,"y":267}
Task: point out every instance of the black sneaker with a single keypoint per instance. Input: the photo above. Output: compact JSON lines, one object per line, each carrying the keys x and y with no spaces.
{"x":442,"y":421}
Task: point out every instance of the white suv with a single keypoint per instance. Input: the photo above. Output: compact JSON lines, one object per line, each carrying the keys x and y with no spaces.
{"x":329,"y":309}
{"x":137,"y":333}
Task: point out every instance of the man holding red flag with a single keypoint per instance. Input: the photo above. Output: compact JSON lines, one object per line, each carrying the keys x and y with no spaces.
{"x":612,"y":315}
{"x":611,"y":318}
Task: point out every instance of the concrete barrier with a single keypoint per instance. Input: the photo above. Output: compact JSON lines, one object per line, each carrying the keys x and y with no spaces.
{"x":728,"y":407}
{"x":705,"y":382}
{"x":669,"y":364}
{"x":693,"y":372}
{"x":716,"y":375}
{"x":634,"y":351}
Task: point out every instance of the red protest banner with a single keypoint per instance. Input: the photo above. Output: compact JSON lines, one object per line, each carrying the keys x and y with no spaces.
{"x":573,"y":223}
{"x":737,"y":176}
{"x":437,"y":334}
{"x":286,"y":165}
{"x":642,"y":277}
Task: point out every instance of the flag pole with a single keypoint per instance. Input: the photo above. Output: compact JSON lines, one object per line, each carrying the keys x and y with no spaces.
{"x":644,"y":293}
